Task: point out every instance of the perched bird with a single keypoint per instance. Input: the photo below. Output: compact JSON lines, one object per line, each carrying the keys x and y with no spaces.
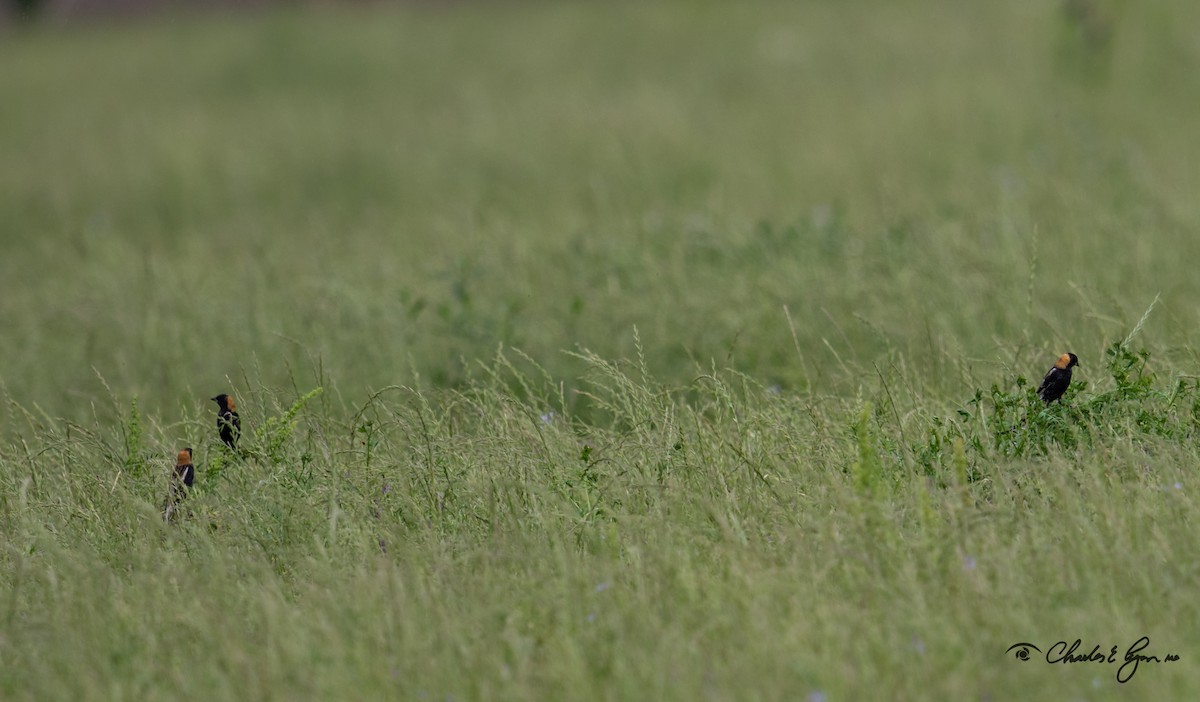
{"x":1058,"y":379}
{"x":185,"y":472}
{"x":227,"y":420}
{"x":181,"y":479}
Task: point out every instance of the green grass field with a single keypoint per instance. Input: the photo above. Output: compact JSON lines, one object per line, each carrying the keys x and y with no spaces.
{"x":613,"y":351}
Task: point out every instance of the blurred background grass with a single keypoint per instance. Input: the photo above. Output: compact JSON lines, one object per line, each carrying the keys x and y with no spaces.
{"x":394,"y":190}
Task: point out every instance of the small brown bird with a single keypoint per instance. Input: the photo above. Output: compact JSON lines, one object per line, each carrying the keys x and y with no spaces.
{"x":228,"y":422}
{"x":181,"y":480}
{"x":1058,"y":379}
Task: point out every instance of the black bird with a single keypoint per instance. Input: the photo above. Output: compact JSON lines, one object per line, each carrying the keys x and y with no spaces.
{"x":1058,"y":379}
{"x":181,"y":480}
{"x":227,"y":420}
{"x":185,"y":472}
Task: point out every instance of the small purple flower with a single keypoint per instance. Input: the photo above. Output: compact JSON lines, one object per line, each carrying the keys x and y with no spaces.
{"x":969,"y":562}
{"x":816,"y":696}
{"x":1178,"y":486}
{"x":591,"y":617}
{"x":547,"y":417}
{"x":601,"y":587}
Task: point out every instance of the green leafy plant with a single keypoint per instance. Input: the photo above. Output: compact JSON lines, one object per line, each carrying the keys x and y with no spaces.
{"x":1010,"y":420}
{"x":277,"y":430}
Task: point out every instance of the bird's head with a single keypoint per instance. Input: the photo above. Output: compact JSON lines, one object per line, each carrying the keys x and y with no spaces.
{"x":225,"y":402}
{"x":184,"y":458}
{"x":1067,"y":361}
